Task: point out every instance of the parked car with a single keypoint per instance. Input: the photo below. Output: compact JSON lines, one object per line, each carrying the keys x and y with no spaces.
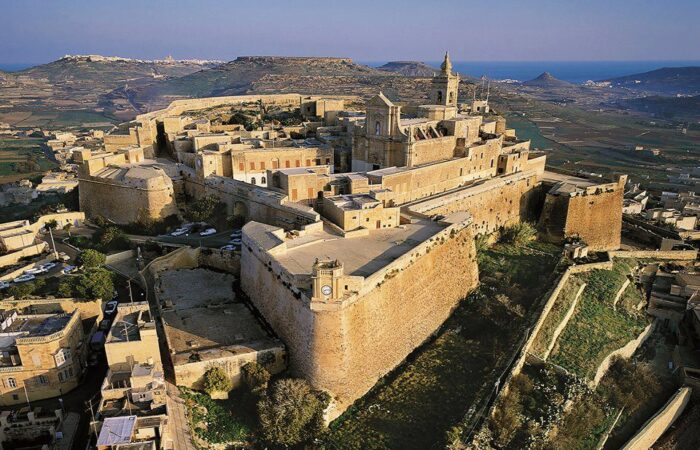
{"x":35,"y":271}
{"x":63,"y":257}
{"x":4,"y":285}
{"x":69,"y":269}
{"x":237,"y":233}
{"x":111,"y":307}
{"x":48,"y":266}
{"x":180,"y":232}
{"x":208,"y":232}
{"x":228,"y":248}
{"x":236,"y":241}
{"x":24,"y":278}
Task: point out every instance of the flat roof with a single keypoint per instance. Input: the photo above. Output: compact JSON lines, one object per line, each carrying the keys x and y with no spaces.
{"x":204,"y":314}
{"x":362,"y":255}
{"x":116,"y":430}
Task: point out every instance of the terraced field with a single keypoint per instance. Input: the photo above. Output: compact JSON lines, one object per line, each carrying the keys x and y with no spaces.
{"x":22,"y":158}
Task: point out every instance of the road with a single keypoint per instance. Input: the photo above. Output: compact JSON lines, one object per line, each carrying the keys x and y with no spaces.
{"x":193,"y":240}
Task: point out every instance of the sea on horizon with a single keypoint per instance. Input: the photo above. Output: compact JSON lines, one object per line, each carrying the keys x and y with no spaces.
{"x":571,"y":71}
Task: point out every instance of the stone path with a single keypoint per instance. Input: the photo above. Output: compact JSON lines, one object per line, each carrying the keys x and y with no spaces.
{"x":180,"y":438}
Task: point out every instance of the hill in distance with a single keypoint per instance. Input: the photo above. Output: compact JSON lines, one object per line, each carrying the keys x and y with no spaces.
{"x":667,"y":80}
{"x":547,"y":80}
{"x":259,"y":74}
{"x":409,"y":68}
{"x":679,"y":108}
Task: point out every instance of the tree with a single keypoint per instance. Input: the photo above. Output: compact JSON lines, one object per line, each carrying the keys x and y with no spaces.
{"x":216,"y":380}
{"x":519,"y":234}
{"x":21,"y":291}
{"x":91,"y":258}
{"x":113,"y":238}
{"x":91,"y":284}
{"x":51,"y":224}
{"x":292,"y":412}
{"x":256,"y":377}
{"x":202,"y":209}
{"x":67,"y":227}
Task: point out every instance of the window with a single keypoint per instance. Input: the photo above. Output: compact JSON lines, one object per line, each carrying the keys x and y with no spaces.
{"x":308,"y":163}
{"x":11,"y":382}
{"x":287,"y":164}
{"x":241,"y":167}
{"x":328,"y":160}
{"x":439,"y":96}
{"x":297,"y":163}
{"x":252,"y":180}
{"x":262,"y":165}
{"x":62,"y":356}
{"x":452,"y":97}
{"x":377,"y":128}
{"x":60,"y":376}
{"x":491,"y":162}
{"x":252,"y":166}
{"x":318,"y":161}
{"x":263,"y":180}
{"x":275,"y":164}
{"x":43,"y":379}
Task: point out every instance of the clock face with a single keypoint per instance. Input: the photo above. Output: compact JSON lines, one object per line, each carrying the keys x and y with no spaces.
{"x":326,"y":290}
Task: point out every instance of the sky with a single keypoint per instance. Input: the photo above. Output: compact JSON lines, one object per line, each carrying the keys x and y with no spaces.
{"x":34,"y":31}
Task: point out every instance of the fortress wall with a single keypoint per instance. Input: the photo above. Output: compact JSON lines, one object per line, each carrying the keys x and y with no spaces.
{"x":597,"y":219}
{"x":125,"y":204}
{"x":345,"y":347}
{"x":433,"y":150}
{"x":496,"y":203}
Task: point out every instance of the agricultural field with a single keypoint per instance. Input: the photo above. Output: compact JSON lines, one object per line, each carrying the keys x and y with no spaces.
{"x":22,"y":158}
{"x":598,"y":327}
{"x":599,"y":141}
{"x":423,"y":403}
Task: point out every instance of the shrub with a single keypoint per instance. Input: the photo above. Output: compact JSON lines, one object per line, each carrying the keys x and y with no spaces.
{"x":519,"y":234}
{"x":91,"y":284}
{"x":21,"y":291}
{"x":203,"y":209}
{"x":292,"y":413}
{"x":52,"y":224}
{"x":256,"y":377}
{"x":91,"y":258}
{"x":113,"y":238}
{"x":216,"y":380}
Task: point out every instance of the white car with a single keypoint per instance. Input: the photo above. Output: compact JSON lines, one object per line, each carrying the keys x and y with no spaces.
{"x":208,"y":232}
{"x":24,"y":278}
{"x":228,"y":248}
{"x":179,"y":232}
{"x":48,"y":266}
{"x":236,"y":241}
{"x":237,"y":234}
{"x":111,"y":306}
{"x":4,"y":285}
{"x":35,"y":271}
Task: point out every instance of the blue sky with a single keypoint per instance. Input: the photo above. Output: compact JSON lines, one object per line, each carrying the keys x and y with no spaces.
{"x":507,"y":30}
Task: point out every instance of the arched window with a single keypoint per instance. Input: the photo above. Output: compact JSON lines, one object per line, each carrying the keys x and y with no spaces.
{"x":252,"y":180}
{"x":452,"y":97}
{"x":377,"y":128}
{"x":439,"y":96}
{"x":263,"y":180}
{"x":11,"y":382}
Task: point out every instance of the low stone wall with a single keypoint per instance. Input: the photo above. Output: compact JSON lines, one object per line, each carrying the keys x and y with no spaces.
{"x":652,"y":430}
{"x":31,"y":250}
{"x":88,"y":308}
{"x":679,"y":255}
{"x":624,"y":352}
{"x":560,"y":328}
{"x":620,"y":292}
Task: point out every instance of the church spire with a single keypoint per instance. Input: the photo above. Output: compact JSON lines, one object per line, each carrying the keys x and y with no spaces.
{"x":446,"y":65}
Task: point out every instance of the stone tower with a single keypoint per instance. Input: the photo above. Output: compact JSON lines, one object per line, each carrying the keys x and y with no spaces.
{"x":325,"y":278}
{"x":445,"y":85}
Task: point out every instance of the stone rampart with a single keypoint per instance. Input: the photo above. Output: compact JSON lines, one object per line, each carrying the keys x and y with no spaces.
{"x":625,"y":352}
{"x":661,"y":421}
{"x":346,"y":346}
{"x":124,"y":203}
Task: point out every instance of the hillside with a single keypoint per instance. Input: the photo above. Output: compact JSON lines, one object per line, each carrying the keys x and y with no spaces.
{"x":409,"y":68}
{"x":684,"y":108}
{"x":667,"y":80}
{"x":259,"y":74}
{"x":546,"y":80}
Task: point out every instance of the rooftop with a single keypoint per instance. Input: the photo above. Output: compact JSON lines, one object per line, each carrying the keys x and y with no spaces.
{"x":361,"y":255}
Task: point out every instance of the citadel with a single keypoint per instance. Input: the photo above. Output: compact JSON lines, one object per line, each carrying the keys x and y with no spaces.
{"x":360,"y":223}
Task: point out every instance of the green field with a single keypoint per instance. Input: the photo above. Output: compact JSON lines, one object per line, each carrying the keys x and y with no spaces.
{"x":15,"y":152}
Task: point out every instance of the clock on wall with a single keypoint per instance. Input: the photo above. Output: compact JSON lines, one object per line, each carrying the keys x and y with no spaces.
{"x":326,"y":290}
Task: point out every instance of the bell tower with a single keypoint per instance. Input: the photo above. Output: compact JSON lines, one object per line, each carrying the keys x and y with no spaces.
{"x":445,"y":85}
{"x":325,"y":278}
